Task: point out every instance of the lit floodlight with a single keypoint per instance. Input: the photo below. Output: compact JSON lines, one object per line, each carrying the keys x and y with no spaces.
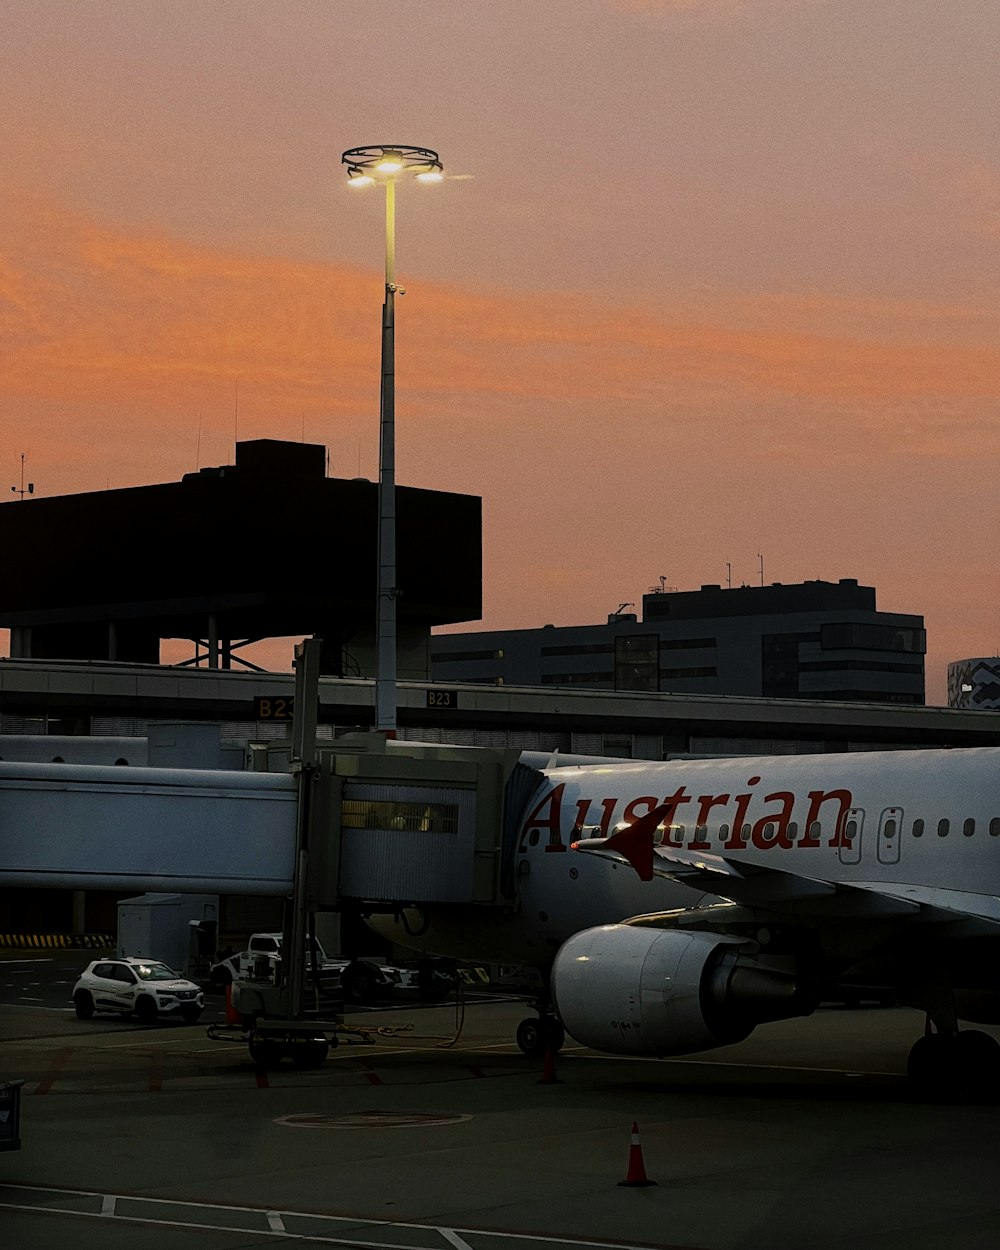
{"x":391,"y":163}
{"x":385,"y":162}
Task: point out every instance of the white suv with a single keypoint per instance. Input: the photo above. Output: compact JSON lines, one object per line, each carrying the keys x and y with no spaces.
{"x":142,"y":987}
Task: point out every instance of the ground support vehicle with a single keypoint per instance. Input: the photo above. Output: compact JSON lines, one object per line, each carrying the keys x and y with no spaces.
{"x":262,"y":958}
{"x":257,"y":1014}
{"x":144,"y":988}
{"x":359,"y":980}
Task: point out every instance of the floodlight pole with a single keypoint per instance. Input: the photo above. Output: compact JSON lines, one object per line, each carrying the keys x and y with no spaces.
{"x":366,"y":165}
{"x":385,"y":615}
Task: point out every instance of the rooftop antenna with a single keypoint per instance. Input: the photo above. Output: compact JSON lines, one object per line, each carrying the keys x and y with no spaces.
{"x":729,"y":575}
{"x":23,"y":490}
{"x":761,"y":559}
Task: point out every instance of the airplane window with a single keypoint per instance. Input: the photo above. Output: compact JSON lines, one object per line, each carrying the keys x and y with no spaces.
{"x":890,"y":828}
{"x":724,"y":832}
{"x":699,"y":832}
{"x":918,"y":828}
{"x":768,"y":830}
{"x":533,"y":838}
{"x":969,"y":828}
{"x":995,"y":827}
{"x":815,"y":829}
{"x":793,"y":829}
{"x":943,"y":828}
{"x":745,"y":834}
{"x":850,"y":829}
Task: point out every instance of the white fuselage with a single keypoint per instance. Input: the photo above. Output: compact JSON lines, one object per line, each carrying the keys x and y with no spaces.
{"x":924,"y":824}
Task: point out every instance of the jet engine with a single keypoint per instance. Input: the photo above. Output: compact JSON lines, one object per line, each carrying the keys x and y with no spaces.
{"x":641,"y":991}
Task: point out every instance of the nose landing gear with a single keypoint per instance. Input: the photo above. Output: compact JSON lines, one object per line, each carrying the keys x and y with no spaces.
{"x":536,"y":1036}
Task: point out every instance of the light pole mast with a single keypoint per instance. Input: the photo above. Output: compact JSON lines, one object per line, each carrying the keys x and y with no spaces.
{"x":365,"y":166}
{"x":385,"y":613}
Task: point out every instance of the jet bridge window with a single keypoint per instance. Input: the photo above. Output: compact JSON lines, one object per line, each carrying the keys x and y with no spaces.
{"x":406,"y":817}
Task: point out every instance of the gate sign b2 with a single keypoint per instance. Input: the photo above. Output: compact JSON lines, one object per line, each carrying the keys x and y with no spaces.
{"x":273,"y":707}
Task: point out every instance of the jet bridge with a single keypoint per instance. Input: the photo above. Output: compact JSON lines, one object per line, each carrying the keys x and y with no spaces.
{"x":386,"y":823}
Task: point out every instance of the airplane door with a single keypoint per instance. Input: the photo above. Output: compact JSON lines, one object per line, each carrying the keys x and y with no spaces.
{"x":850,"y":843}
{"x":890,"y":824}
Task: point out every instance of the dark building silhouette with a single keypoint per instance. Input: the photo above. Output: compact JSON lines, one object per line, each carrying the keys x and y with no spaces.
{"x":267,"y":547}
{"x":809,"y":640}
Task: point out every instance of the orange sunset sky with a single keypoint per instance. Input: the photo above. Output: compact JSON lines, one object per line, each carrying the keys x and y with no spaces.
{"x":710,"y":278}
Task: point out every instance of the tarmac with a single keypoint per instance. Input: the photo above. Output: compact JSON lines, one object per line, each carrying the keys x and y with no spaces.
{"x":426,"y":1129}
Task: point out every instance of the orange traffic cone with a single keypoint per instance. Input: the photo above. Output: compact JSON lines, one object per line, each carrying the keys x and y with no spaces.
{"x":636,"y":1177}
{"x":548,"y":1076}
{"x":232,"y":1015}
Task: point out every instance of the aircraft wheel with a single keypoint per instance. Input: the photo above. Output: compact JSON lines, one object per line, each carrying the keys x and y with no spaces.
{"x":531,"y":1037}
{"x":977,"y":1063}
{"x":964,"y":1065}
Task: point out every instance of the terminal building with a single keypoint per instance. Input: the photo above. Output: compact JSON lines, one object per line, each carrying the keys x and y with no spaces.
{"x":814,"y":640}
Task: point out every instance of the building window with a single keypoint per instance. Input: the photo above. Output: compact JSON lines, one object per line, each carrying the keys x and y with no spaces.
{"x":637,"y":662}
{"x":848,"y":636}
{"x":457,"y":657}
{"x":589,"y":648}
{"x":577,"y":679}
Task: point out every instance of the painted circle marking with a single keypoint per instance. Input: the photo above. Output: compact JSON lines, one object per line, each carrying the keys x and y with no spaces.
{"x":373,"y":1119}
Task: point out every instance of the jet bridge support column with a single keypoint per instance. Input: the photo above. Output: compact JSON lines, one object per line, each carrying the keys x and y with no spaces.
{"x":274,"y":1014}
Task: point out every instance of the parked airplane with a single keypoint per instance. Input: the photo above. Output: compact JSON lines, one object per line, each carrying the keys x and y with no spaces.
{"x":880,"y":867}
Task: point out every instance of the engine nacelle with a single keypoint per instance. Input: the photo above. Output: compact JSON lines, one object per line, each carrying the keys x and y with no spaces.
{"x":639,"y":991}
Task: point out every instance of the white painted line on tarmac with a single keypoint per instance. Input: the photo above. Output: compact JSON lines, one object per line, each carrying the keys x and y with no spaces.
{"x":108,"y":1203}
{"x":8,"y":1006}
{"x":453,"y":1238}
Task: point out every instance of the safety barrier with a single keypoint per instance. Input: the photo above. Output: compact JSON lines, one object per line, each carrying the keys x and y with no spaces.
{"x":72,"y":941}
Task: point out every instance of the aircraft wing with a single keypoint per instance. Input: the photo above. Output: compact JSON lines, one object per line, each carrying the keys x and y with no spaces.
{"x":780,"y":892}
